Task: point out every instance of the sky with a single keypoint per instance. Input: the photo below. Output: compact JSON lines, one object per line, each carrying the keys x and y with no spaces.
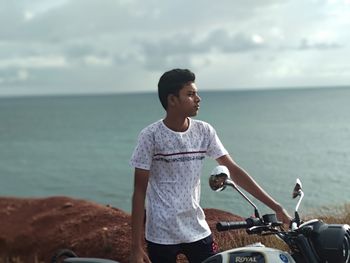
{"x":110,"y":46}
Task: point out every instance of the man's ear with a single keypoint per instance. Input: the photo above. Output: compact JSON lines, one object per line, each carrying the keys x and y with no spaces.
{"x":172,"y":99}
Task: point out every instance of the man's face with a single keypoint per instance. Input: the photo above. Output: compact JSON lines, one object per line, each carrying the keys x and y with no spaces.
{"x":188,"y":100}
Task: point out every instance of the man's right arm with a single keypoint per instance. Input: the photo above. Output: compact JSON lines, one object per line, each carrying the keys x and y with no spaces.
{"x":138,"y":254}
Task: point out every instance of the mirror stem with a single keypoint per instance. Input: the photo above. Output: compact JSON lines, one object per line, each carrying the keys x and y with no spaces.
{"x":296,"y":214}
{"x":231,"y":183}
{"x":297,"y":218}
{"x":301,"y":198}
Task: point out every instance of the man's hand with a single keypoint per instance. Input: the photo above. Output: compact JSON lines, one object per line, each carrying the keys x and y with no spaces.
{"x":283,"y":215}
{"x":139,"y":256}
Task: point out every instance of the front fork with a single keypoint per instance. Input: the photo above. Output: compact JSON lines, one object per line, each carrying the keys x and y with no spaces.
{"x":305,"y":252}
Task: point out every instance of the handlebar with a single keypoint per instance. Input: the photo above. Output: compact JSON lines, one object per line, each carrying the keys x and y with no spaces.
{"x":248,"y":223}
{"x":267,"y":222}
{"x":223,"y":226}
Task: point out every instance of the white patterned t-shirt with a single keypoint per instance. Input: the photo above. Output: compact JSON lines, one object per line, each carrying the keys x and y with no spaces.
{"x":175,"y":160}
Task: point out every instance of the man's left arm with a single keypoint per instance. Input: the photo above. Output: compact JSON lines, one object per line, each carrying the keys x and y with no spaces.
{"x":244,"y":180}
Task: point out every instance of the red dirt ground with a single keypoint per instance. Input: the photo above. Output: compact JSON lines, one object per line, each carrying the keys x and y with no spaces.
{"x":32,"y":230}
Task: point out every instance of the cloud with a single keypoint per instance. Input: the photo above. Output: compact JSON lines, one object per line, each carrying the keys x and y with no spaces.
{"x":14,"y":76}
{"x":306,"y":45}
{"x":233,"y":42}
{"x":180,"y":48}
{"x":34,"y":62}
{"x":53,"y":45}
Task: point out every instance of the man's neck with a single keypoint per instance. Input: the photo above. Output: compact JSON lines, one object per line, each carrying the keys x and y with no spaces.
{"x":178,"y":124}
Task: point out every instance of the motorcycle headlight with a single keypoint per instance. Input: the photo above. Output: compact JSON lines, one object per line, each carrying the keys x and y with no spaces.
{"x":331,"y":242}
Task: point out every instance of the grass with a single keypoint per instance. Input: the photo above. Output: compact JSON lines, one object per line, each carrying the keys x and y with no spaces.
{"x":234,"y":239}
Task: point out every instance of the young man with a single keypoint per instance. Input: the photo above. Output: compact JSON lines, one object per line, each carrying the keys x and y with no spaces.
{"x":168,"y":160}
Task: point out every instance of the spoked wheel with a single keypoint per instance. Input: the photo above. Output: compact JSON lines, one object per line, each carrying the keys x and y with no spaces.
{"x":60,"y":255}
{"x":68,"y":256}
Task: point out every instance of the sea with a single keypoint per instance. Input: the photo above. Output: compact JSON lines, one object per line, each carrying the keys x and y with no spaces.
{"x":80,"y":146}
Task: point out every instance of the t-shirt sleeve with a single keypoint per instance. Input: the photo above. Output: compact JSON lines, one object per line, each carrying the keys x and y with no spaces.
{"x":143,"y":152}
{"x":215,"y":148}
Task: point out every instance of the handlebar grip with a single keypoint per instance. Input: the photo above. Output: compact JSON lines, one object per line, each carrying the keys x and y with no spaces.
{"x":223,"y":226}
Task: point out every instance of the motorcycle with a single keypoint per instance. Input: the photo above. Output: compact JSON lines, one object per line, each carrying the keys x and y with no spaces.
{"x":68,"y":256}
{"x":312,"y":241}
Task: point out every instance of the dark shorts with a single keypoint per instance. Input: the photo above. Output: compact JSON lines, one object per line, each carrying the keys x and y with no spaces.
{"x":195,"y":252}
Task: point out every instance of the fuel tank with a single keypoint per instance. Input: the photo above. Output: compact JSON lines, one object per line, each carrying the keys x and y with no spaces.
{"x":251,"y":254}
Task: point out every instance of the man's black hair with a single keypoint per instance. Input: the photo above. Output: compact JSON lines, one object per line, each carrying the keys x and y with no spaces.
{"x":171,"y":82}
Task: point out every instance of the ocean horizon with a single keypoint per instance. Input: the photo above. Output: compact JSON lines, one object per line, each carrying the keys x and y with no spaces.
{"x":80,"y":145}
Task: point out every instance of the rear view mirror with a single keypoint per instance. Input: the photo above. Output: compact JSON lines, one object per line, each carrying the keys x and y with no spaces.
{"x":297,"y":189}
{"x":218,"y":178}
